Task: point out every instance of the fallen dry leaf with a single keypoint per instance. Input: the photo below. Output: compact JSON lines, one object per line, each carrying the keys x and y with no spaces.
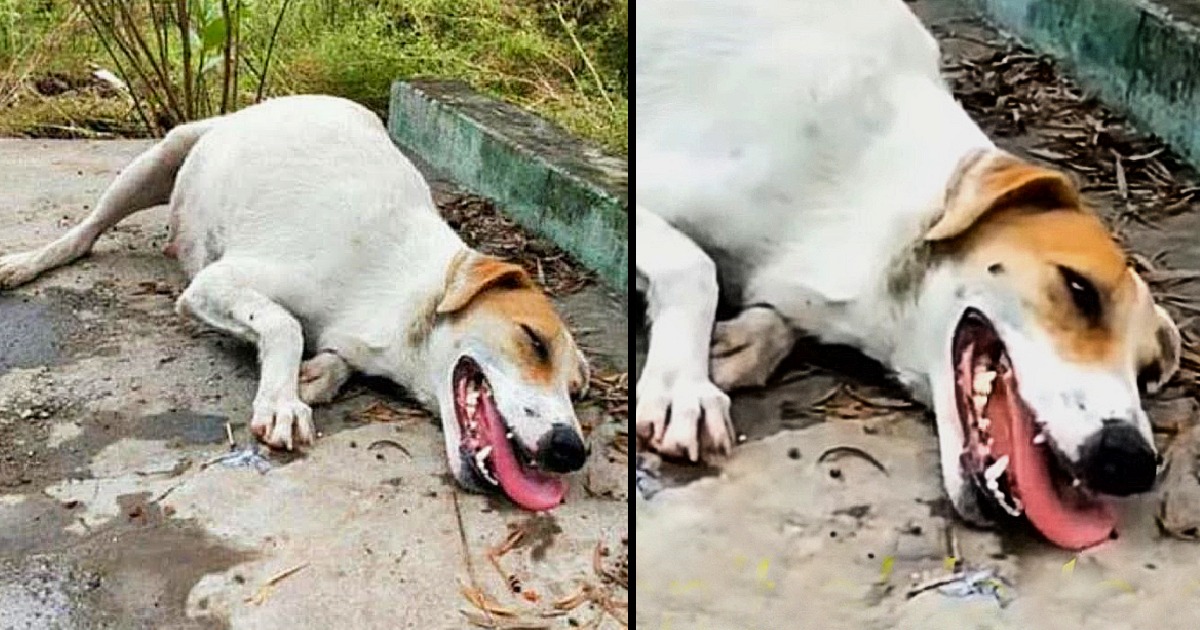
{"x":264,"y":592}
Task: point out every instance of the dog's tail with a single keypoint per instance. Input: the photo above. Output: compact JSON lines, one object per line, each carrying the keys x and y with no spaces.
{"x":145,"y":183}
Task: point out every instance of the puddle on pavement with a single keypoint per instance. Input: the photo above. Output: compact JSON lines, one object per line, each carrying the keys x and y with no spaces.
{"x":187,"y":427}
{"x":134,"y":573}
{"x":55,"y":326}
{"x":32,"y":332}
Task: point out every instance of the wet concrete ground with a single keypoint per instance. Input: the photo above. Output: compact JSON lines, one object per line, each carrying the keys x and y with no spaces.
{"x":114,"y":514}
{"x":778,"y":537}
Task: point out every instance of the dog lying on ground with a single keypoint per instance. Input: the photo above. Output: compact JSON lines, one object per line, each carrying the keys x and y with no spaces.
{"x":808,"y":159}
{"x":300,"y":225}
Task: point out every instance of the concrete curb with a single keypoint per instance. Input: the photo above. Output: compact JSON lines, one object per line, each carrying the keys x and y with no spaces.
{"x":1139,"y":55}
{"x":544,"y":179}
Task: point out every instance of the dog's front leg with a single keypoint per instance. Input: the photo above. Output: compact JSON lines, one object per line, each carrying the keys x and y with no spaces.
{"x":679,"y":410}
{"x":223,"y":296}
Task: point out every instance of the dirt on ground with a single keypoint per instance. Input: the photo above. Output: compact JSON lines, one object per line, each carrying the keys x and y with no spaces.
{"x":832,"y":515}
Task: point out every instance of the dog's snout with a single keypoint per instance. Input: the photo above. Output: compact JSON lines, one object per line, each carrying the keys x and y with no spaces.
{"x":1118,"y":460}
{"x":561,"y":450}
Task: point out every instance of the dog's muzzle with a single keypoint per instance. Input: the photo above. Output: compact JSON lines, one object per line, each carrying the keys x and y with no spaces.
{"x":1117,"y":460}
{"x":561,"y":450}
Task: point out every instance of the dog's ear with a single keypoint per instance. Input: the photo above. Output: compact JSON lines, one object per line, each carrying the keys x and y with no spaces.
{"x":582,"y":379}
{"x":990,"y":180}
{"x":1165,"y":357}
{"x":476,"y":274}
{"x":1159,"y":344}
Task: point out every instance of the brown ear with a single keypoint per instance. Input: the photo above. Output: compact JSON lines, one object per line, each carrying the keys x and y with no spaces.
{"x":994,"y":180}
{"x":477,"y":274}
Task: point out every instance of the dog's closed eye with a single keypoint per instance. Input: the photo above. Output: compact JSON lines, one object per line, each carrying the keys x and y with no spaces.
{"x":539,"y":346}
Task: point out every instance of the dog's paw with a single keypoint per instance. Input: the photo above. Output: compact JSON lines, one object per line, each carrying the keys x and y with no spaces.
{"x":321,"y":377}
{"x":684,"y":417}
{"x":17,"y":269}
{"x":282,"y":422}
{"x":746,"y":350}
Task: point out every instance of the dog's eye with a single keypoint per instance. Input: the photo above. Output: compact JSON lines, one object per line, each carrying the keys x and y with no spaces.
{"x":1083,"y":293}
{"x":539,"y":346}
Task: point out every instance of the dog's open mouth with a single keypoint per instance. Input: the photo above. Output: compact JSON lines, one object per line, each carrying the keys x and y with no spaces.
{"x":1011,"y":459}
{"x":490,"y":450}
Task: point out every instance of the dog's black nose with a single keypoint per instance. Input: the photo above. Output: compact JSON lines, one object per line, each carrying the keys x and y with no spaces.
{"x":1118,"y":460}
{"x":561,"y":450}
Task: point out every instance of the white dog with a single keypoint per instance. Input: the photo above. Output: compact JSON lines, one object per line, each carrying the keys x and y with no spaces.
{"x":809,"y":155}
{"x":300,"y":224}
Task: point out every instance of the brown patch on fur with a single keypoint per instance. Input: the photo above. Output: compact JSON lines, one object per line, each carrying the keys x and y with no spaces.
{"x":426,"y":317}
{"x":485,"y":285}
{"x":530,"y":307}
{"x":470,"y":276}
{"x":1032,"y":244}
{"x":998,"y":180}
{"x":1032,"y":221}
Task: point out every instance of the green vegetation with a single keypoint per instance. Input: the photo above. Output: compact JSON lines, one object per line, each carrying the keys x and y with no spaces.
{"x":564,"y":59}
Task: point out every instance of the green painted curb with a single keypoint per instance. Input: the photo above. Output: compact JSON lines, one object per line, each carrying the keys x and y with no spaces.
{"x":1135,"y":54}
{"x":546,"y":180}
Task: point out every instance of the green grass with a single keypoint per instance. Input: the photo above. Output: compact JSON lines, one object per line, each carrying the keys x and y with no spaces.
{"x":564,"y":60}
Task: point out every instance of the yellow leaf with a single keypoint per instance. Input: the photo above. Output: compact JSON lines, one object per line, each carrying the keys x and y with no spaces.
{"x":1069,"y":567}
{"x":1120,"y":585}
{"x":764,"y":566}
{"x":885,"y":571}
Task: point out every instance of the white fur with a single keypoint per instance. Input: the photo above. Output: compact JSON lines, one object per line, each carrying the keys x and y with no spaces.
{"x":803,"y":147}
{"x":301,"y":224}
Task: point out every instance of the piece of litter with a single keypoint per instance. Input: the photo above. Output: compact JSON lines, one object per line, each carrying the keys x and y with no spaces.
{"x":648,"y":484}
{"x":249,"y":457}
{"x":965,"y":584}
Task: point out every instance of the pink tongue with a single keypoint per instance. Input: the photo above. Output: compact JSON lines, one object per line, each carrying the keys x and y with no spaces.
{"x":527,"y":488}
{"x":1069,"y":526}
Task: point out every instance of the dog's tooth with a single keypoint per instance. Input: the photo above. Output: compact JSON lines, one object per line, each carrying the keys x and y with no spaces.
{"x":1040,"y":438}
{"x":980,"y":402}
{"x":995,"y":470}
{"x":1003,"y":501}
{"x":984,"y":423}
{"x":992,"y":485}
{"x":481,"y":463}
{"x":509,"y":435}
{"x":1075,"y":483}
{"x":983,"y":382}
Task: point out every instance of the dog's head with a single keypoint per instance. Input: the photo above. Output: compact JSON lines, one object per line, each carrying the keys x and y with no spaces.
{"x":1048,"y":340}
{"x":507,"y":371}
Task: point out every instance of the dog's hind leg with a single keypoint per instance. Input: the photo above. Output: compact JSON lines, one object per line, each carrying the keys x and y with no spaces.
{"x":223,"y":296}
{"x":748,"y":348}
{"x":145,"y":183}
{"x":322,"y":376}
{"x":679,"y":410}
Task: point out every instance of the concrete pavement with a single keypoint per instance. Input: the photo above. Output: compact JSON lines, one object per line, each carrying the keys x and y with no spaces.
{"x":115,"y":513}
